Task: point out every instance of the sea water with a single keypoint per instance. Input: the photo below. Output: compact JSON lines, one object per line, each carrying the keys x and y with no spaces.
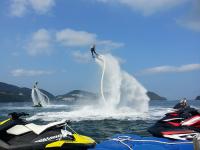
{"x":99,"y":125}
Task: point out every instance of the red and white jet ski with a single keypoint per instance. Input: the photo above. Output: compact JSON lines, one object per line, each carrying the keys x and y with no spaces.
{"x":182,"y":124}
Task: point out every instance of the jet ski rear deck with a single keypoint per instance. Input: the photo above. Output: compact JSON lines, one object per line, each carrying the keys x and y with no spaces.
{"x":16,"y":134}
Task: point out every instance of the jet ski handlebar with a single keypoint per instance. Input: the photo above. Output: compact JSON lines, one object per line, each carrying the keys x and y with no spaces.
{"x":15,"y":115}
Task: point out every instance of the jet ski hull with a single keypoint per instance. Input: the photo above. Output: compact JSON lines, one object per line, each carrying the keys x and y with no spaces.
{"x":16,"y":134}
{"x":79,"y":143}
{"x":175,"y":125}
{"x":173,"y":133}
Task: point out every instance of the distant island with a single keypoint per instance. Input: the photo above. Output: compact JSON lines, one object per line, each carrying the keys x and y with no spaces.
{"x":12,"y":93}
{"x":197,"y":98}
{"x":154,"y":96}
{"x":75,"y":95}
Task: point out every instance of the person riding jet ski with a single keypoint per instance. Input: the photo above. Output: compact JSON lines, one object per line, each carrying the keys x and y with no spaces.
{"x":184,"y":109}
{"x":17,"y":134}
{"x":183,"y":123}
{"x":182,"y":104}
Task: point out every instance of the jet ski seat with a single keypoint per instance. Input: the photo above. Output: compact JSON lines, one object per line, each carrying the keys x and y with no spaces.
{"x":37,"y":129}
{"x":18,"y":130}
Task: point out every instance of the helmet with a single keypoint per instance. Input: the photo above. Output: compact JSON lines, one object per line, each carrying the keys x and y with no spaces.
{"x":183,"y":102}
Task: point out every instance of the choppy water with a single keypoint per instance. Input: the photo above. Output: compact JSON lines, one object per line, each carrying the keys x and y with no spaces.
{"x":93,"y":121}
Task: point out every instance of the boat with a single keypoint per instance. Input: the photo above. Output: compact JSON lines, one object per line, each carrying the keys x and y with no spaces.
{"x":18,"y":134}
{"x":135,"y":142}
{"x":180,"y":124}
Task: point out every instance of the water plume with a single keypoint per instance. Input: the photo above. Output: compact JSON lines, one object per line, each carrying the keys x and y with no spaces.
{"x":119,"y":88}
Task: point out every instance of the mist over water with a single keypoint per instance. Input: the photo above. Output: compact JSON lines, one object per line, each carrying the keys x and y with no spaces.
{"x":121,"y":97}
{"x":38,"y":97}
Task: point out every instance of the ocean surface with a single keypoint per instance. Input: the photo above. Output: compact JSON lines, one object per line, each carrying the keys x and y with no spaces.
{"x":98,"y":123}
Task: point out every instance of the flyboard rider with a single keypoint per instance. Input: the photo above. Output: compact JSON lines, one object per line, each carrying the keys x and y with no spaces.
{"x":93,"y":51}
{"x":35,"y":86}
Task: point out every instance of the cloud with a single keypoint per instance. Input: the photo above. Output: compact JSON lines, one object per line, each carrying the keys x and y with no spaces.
{"x":70,"y":37}
{"x":29,"y":73}
{"x":75,"y":38}
{"x":81,"y":57}
{"x":192,"y":19}
{"x":40,"y":43}
{"x":19,"y":8}
{"x":108,"y":44}
{"x":43,"y":41}
{"x":146,"y":7}
{"x":42,"y":6}
{"x":169,"y":69}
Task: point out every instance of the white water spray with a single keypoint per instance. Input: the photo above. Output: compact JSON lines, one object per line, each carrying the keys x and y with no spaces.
{"x":123,"y":97}
{"x":38,"y":97}
{"x":121,"y":89}
{"x":102,"y":76}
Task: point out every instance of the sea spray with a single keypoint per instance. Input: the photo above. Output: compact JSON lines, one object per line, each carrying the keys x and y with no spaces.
{"x":125,"y":98}
{"x":112,"y":80}
{"x":120,"y":88}
{"x":34,"y":97}
{"x":38,"y":97}
{"x":133,"y":94}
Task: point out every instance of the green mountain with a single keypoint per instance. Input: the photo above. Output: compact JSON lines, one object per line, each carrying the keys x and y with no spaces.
{"x":76,"y":95}
{"x":154,"y":96}
{"x":12,"y":93}
{"x":79,"y":94}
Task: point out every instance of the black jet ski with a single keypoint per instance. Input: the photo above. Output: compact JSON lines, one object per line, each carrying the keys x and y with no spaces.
{"x":17,"y":134}
{"x":181,"y":124}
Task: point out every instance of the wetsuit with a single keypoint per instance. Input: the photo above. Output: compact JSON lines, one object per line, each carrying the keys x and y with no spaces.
{"x":93,"y":52}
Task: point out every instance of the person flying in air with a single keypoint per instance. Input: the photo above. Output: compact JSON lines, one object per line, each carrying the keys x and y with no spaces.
{"x":93,"y":51}
{"x":35,"y":85}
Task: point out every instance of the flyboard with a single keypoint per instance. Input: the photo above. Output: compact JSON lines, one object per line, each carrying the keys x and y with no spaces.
{"x":38,"y":97}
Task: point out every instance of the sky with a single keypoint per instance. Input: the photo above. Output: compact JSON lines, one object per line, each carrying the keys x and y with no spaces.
{"x":157,"y":41}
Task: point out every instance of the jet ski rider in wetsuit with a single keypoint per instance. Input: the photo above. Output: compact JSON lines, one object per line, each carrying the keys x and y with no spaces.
{"x":182,"y":104}
{"x":184,"y":109}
